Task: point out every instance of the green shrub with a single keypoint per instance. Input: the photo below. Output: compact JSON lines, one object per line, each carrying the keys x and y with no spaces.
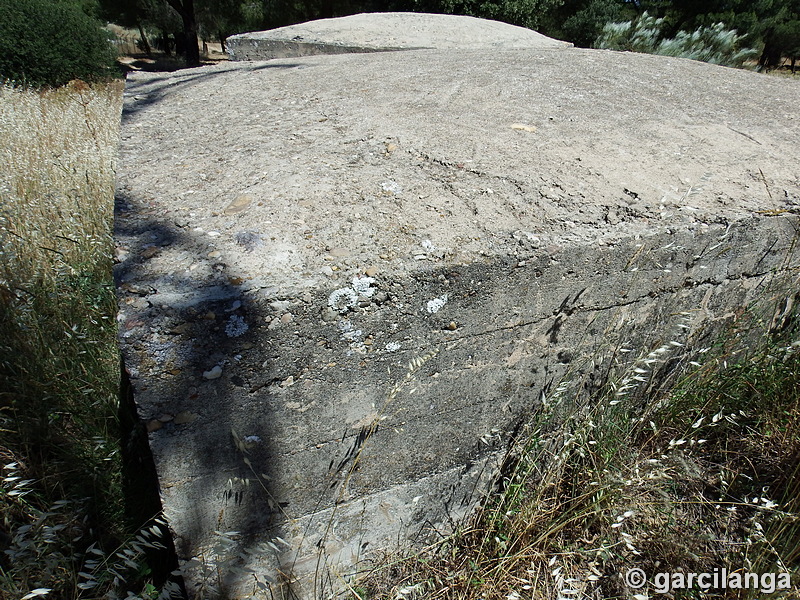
{"x":714,"y":44}
{"x":50,"y":42}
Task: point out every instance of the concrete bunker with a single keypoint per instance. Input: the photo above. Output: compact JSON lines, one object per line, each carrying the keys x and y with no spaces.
{"x":384,"y":262}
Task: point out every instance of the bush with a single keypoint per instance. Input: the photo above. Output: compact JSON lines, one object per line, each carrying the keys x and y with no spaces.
{"x":582,"y":28}
{"x":49,"y":42}
{"x":714,"y":44}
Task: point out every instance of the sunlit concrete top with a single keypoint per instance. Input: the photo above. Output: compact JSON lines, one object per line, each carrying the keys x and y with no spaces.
{"x":377,"y":32}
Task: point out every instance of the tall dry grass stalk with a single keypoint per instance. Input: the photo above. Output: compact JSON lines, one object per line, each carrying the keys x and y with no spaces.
{"x":60,"y":495}
{"x":57,"y":180}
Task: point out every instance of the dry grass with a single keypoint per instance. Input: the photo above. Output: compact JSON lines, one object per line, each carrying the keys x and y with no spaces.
{"x":60,"y":495}
{"x":704,"y":478}
{"x":57,"y":182}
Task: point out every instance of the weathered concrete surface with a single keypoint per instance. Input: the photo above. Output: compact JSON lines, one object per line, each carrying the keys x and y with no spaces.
{"x":381,"y":32}
{"x":520,"y":214}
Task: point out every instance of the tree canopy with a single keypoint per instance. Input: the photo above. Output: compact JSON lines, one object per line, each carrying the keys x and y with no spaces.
{"x":772,"y":27}
{"x":50,"y":42}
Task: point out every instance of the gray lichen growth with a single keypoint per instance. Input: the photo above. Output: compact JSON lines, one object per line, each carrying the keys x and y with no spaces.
{"x":236,"y":326}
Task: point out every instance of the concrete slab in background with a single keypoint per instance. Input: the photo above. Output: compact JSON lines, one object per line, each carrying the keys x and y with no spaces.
{"x":378,"y":32}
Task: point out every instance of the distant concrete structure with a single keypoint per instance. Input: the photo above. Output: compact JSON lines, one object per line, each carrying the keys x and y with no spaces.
{"x":382,"y":32}
{"x":346,"y":281}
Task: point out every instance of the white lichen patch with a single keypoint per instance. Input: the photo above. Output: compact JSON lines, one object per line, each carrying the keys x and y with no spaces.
{"x":346,"y":298}
{"x":353,"y":337}
{"x":214,"y":373}
{"x":343,"y":299}
{"x":436,"y":304}
{"x":363,"y":285}
{"x":392,"y":347}
{"x":235,"y":326}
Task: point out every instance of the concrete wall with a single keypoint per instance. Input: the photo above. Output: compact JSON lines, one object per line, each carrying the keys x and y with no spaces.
{"x":340,"y":298}
{"x":310,"y":436}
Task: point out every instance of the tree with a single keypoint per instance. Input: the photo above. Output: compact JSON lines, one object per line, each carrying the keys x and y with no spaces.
{"x":584,"y":27}
{"x":525,"y":13}
{"x":779,"y":27}
{"x":223,"y":18}
{"x":167,"y":16}
{"x":788,"y":38}
{"x":50,"y":42}
{"x":191,"y":49}
{"x":581,"y":21}
{"x":715,"y":44}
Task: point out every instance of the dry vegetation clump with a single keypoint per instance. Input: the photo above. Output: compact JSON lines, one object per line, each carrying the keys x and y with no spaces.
{"x":60,"y":493}
{"x":697,"y":480}
{"x":57,"y":183}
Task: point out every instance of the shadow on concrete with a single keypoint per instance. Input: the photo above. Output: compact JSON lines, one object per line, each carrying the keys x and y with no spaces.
{"x":188,"y":433}
{"x":143,"y":508}
{"x":151,"y":92}
{"x":173,"y":329}
{"x":176,"y":336}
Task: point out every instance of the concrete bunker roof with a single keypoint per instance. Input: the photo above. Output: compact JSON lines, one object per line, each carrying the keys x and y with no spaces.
{"x":376,"y":32}
{"x":519,"y":214}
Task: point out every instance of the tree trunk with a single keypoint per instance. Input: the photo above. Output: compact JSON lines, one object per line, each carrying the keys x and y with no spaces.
{"x":190,"y":35}
{"x":180,"y":43}
{"x":222,"y":39}
{"x":771,"y":56}
{"x":145,"y":43}
{"x":192,"y":47}
{"x":166,"y":43}
{"x":185,"y":8}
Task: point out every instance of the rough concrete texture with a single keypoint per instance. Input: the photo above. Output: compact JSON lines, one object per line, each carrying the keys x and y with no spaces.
{"x":380,"y":32}
{"x":293,"y":234}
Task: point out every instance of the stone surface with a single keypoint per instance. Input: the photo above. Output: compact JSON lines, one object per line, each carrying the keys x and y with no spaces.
{"x":380,"y":32}
{"x":432,"y":241}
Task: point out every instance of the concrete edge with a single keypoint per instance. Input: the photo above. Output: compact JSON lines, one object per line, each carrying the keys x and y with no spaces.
{"x":242,"y":48}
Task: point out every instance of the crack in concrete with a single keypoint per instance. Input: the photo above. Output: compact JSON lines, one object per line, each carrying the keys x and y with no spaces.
{"x":560,"y":312}
{"x":594,"y":309}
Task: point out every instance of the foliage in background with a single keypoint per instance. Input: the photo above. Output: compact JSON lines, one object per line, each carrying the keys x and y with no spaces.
{"x":781,"y":38}
{"x":582,"y":21}
{"x":525,"y":13}
{"x":50,"y":42}
{"x":713,"y":44}
{"x":697,"y":29}
{"x":764,"y":24}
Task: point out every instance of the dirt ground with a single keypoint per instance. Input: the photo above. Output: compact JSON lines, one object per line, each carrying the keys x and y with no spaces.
{"x":158,"y":61}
